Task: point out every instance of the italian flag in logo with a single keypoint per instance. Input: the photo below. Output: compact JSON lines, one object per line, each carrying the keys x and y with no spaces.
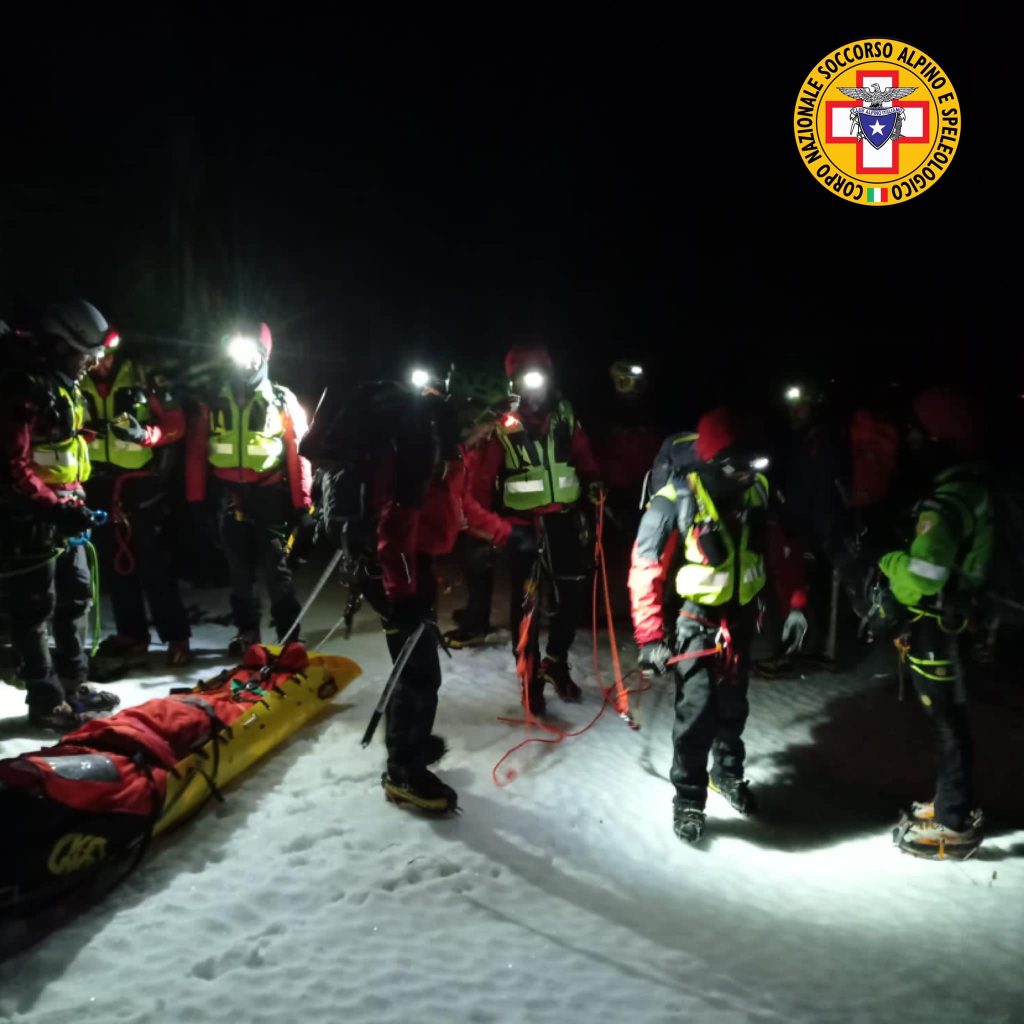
{"x":878,"y":195}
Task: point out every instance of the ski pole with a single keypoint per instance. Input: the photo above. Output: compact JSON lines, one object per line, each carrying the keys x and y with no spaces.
{"x":321,"y":583}
{"x":403,"y":656}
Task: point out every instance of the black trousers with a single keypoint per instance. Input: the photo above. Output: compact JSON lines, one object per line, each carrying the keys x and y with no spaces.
{"x":711,"y":700}
{"x":254,"y":529}
{"x":478,"y":559}
{"x":56,"y":594}
{"x":137,"y":571}
{"x":937,"y":671}
{"x":563,"y":579}
{"x":409,"y":720}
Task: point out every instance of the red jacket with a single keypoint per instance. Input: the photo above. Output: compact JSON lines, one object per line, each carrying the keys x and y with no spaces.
{"x":486,"y":465}
{"x":19,"y":419}
{"x":653,"y":553}
{"x":296,"y":468}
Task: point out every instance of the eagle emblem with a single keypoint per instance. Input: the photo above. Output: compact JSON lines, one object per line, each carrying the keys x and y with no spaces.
{"x":874,"y":122}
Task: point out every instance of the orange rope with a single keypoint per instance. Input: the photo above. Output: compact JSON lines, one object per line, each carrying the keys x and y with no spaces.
{"x":616,"y":695}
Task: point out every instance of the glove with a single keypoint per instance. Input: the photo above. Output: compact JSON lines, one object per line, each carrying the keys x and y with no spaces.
{"x":794,"y":629}
{"x":405,"y":615}
{"x":596,"y":491}
{"x":127,"y":428}
{"x":73,"y":520}
{"x":884,"y":616}
{"x":522,"y":540}
{"x":655,"y":656}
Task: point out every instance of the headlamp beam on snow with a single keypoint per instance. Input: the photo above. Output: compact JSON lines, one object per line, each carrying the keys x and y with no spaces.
{"x":245,"y":352}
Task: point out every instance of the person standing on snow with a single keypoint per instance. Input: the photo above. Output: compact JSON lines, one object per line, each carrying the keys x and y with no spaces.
{"x":136,"y":422}
{"x":539,"y":464}
{"x":246,"y":437}
{"x":43,"y":517}
{"x":936,"y":582}
{"x":720,"y":515}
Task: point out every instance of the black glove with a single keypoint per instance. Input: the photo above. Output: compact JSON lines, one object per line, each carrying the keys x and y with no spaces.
{"x":655,"y":656}
{"x":523,"y":539}
{"x":128,"y":428}
{"x":72,"y":520}
{"x":406,"y":614}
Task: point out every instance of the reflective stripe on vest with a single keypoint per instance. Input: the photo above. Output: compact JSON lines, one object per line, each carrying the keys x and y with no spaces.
{"x":234,"y":443}
{"x":533,"y":475}
{"x":63,"y":461}
{"x":715,"y":584}
{"x":123,"y":454}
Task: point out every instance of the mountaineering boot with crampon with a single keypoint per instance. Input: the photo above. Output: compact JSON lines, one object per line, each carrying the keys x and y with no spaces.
{"x":464,"y":636}
{"x":555,"y":671}
{"x":61,"y":719}
{"x":929,"y":838}
{"x":87,"y":699}
{"x":418,"y":788}
{"x":244,"y":640}
{"x":736,"y":791}
{"x":687,"y":820}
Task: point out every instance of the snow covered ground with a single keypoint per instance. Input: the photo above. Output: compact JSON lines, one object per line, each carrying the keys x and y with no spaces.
{"x":562,"y":895}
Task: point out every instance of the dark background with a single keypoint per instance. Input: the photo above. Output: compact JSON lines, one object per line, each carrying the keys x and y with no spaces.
{"x":614,"y":182}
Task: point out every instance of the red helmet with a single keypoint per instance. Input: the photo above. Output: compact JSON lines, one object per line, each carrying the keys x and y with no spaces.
{"x":944,"y":415}
{"x":527,"y":357}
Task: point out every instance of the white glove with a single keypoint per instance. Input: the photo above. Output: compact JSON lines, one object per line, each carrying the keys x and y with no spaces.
{"x":794,"y":629}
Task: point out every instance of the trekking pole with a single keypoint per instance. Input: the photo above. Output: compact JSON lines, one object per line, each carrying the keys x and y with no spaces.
{"x":403,"y":656}
{"x":321,"y":583}
{"x":833,"y":617}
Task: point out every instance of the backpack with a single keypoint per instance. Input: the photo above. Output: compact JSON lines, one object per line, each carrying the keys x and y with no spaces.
{"x":677,"y":456}
{"x":378,"y":420}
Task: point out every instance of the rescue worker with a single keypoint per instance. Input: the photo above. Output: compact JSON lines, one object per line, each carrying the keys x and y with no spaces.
{"x":246,"y":439}
{"x":137,"y":425}
{"x":936,"y":582}
{"x":539,"y":465}
{"x":719,"y":513}
{"x":481,"y":399}
{"x":45,"y":521}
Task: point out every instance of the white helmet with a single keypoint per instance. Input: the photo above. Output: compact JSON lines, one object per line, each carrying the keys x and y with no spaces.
{"x":81,"y":325}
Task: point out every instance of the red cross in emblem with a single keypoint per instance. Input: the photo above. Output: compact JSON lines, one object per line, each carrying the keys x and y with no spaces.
{"x":887,"y":159}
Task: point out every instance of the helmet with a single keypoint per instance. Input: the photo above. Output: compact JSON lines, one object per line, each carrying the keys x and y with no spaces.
{"x":487,"y":390}
{"x":627,"y":376}
{"x":81,"y":325}
{"x":731,"y":440}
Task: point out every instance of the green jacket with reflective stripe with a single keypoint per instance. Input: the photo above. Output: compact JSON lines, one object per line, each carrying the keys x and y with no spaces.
{"x":953,"y":539}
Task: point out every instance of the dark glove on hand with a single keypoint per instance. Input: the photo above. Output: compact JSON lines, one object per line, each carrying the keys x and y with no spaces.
{"x":406,"y":614}
{"x":128,"y":428}
{"x":72,"y":520}
{"x":523,"y":539}
{"x":655,"y":656}
{"x":596,"y":491}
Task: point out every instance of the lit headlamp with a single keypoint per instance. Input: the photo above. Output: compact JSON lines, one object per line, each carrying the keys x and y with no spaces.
{"x":111,"y":341}
{"x":793,"y":393}
{"x":245,"y":352}
{"x":533,"y":380}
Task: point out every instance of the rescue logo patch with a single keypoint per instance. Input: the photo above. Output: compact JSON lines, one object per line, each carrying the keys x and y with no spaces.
{"x":877,"y":122}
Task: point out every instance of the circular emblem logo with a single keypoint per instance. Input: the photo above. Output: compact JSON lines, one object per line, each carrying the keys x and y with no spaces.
{"x":877,"y":122}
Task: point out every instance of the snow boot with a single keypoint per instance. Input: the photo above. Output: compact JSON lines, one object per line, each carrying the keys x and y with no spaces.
{"x":88,"y":699}
{"x":418,"y":788}
{"x":555,"y":671}
{"x":688,"y":820}
{"x":433,"y":749}
{"x":61,"y":719}
{"x":464,"y":636}
{"x":736,"y":791}
{"x":116,"y":656}
{"x":179,"y":653}
{"x":244,"y":639}
{"x":781,"y":667}
{"x":929,"y":838}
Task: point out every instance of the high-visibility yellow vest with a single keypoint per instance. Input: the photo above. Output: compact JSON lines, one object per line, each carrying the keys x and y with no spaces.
{"x":250,"y":436}
{"x":60,"y":455}
{"x":130,"y":387}
{"x":536,"y":472}
{"x":716,"y":584}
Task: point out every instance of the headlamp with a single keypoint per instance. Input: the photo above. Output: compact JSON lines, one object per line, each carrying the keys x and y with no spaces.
{"x":111,"y":341}
{"x":793,"y":394}
{"x":419,"y":378}
{"x":636,"y":371}
{"x":245,"y":352}
{"x":533,"y":380}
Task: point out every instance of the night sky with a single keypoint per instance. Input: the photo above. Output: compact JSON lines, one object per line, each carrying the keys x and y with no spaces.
{"x":621,"y":183}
